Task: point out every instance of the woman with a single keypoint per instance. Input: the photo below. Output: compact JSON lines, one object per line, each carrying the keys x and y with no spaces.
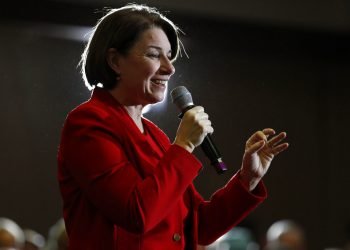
{"x":124,"y":185}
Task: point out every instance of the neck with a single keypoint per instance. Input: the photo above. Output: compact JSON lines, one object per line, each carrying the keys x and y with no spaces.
{"x":134,"y":111}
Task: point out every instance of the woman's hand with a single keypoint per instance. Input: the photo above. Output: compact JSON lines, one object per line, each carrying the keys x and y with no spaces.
{"x":193,"y":128}
{"x":258,"y":155}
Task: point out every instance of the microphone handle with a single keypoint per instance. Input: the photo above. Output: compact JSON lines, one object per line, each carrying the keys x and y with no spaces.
{"x":212,"y":152}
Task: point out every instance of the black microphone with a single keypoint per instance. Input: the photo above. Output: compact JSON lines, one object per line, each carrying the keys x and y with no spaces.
{"x":182,"y":98}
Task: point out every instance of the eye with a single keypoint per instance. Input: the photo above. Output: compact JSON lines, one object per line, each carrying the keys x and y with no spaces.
{"x":153,"y":55}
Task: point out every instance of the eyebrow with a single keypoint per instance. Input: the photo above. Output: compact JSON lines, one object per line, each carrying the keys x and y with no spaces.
{"x":158,"y":48}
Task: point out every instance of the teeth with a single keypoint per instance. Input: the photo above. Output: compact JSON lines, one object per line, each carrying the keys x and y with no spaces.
{"x":159,"y":82}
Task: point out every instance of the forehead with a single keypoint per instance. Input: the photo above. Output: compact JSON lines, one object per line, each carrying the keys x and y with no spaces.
{"x":153,"y":37}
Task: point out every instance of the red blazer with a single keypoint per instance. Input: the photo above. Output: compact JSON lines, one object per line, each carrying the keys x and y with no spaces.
{"x":119,"y":193}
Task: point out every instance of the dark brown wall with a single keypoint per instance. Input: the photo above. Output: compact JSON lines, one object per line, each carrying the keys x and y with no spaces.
{"x":247,"y":76}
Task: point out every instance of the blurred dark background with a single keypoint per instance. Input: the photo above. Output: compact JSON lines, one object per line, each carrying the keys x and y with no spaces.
{"x":252,"y":64}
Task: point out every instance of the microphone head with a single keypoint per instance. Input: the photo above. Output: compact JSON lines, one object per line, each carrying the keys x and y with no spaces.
{"x":181,"y":97}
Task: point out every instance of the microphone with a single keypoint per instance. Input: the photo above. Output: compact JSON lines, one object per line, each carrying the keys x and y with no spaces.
{"x":182,"y":98}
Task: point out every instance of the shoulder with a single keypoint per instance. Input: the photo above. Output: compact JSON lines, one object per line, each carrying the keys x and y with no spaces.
{"x":94,"y":116}
{"x":100,"y":107}
{"x":85,"y":115}
{"x":88,"y":109}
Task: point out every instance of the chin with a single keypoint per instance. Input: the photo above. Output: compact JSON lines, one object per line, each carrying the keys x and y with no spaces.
{"x":156,"y":99}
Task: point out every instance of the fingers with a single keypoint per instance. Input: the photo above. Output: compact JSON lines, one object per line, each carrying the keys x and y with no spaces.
{"x":268,"y":131}
{"x":280,"y":148}
{"x":259,"y":140}
{"x":193,"y":128}
{"x":200,"y":118}
{"x":262,"y":135}
{"x":274,"y":146}
{"x":276,"y":139}
{"x":255,"y":147}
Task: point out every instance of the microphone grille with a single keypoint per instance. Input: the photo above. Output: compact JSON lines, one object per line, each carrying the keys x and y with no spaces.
{"x":181,"y":97}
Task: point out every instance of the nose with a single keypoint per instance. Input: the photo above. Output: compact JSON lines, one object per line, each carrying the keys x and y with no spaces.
{"x":167,"y":67}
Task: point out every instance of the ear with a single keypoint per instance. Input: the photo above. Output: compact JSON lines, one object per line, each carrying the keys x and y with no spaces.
{"x":112,"y":58}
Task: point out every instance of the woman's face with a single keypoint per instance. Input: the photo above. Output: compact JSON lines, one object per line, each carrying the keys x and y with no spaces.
{"x":146,"y":69}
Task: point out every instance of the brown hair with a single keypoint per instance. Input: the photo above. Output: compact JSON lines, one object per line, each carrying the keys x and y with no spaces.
{"x":120,"y":29}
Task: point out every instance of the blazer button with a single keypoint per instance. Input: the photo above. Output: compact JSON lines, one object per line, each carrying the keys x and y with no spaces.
{"x":176,"y":237}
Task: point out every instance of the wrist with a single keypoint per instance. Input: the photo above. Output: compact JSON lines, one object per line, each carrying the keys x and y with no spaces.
{"x":188,"y":146}
{"x":248,"y":181}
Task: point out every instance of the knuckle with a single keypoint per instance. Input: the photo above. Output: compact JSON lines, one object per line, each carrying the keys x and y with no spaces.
{"x":202,"y":128}
{"x":191,"y":115}
{"x":191,"y":112}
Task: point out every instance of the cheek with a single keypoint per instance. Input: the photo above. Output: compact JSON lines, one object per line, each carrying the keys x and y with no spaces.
{"x":142,"y":70}
{"x":149,"y":69}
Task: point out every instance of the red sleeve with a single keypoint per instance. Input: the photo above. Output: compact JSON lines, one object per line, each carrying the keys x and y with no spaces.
{"x":91,"y":152}
{"x":226,"y":208}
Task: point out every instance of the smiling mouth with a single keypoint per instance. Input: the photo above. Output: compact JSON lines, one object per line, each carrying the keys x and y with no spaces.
{"x":159,"y":82}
